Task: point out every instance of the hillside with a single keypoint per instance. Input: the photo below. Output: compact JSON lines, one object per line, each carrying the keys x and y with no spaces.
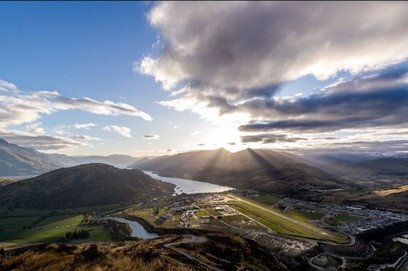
{"x":362,"y":168}
{"x":21,"y":161}
{"x":169,"y":252}
{"x":388,"y":166}
{"x":83,"y":186}
{"x":18,"y":161}
{"x":262,"y":170}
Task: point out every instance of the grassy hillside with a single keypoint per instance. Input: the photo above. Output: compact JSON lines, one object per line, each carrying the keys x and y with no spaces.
{"x":172,"y":253}
{"x":83,"y":186}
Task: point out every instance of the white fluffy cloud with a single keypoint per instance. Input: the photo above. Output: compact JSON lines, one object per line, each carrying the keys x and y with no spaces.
{"x":84,"y":125}
{"x":6,"y":86}
{"x":19,"y":107}
{"x":121,"y":130}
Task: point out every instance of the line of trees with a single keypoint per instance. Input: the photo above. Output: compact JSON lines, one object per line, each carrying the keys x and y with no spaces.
{"x":77,"y":234}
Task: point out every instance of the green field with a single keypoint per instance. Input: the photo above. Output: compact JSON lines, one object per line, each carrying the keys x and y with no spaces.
{"x":201,"y":213}
{"x":16,"y":223}
{"x":281,"y":223}
{"x":346,"y":218}
{"x":48,"y":229}
{"x":146,"y":214}
{"x":304,"y":215}
{"x":211,"y":211}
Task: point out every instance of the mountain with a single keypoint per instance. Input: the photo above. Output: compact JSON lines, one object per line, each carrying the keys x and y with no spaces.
{"x":18,"y":161}
{"x":83,"y":186}
{"x":262,"y":170}
{"x":362,"y":166}
{"x":21,"y":161}
{"x":117,"y":160}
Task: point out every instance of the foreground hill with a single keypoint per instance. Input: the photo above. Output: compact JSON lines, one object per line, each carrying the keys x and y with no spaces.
{"x":169,"y":252}
{"x":83,"y":186}
{"x":261,"y":170}
{"x":17,"y":161}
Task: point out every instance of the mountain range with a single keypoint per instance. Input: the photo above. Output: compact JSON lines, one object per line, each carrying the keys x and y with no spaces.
{"x":262,"y":170}
{"x":17,"y":161}
{"x":21,"y":161}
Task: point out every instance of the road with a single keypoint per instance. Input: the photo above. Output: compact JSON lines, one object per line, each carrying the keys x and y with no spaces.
{"x":191,"y":239}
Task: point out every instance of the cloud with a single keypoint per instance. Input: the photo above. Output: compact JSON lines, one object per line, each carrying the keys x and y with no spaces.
{"x":6,"y":86}
{"x":195,"y":133}
{"x":269,"y":138}
{"x":19,"y":107}
{"x":40,"y":142}
{"x":85,"y":137}
{"x":374,"y":100}
{"x":151,"y":137}
{"x":84,"y":125}
{"x":227,"y":61}
{"x":35,"y":129}
{"x":121,"y":130}
{"x":247,"y":49}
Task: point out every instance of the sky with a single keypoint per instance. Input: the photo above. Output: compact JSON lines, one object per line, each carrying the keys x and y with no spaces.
{"x":154,"y":78}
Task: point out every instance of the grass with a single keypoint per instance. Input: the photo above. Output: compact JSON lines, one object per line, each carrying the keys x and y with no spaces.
{"x":346,"y":218}
{"x":201,"y":213}
{"x":241,"y":222}
{"x":50,"y":229}
{"x":146,"y":214}
{"x":97,"y":234}
{"x":17,"y":223}
{"x":304,"y":215}
{"x":24,"y":212}
{"x":282,"y":224}
{"x":267,"y":199}
{"x":212,"y":212}
{"x":233,"y":218}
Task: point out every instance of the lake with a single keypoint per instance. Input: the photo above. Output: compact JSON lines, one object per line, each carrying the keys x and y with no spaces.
{"x":403,"y":239}
{"x":137,"y":229}
{"x":190,"y":186}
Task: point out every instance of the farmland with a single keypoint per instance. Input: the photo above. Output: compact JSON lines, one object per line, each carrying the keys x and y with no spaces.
{"x":36,"y":226}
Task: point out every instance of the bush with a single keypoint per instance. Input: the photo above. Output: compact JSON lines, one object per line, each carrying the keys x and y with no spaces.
{"x":92,"y":253}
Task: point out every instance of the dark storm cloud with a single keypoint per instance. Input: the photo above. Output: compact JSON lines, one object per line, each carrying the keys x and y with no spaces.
{"x":243,"y":48}
{"x":377,"y":100}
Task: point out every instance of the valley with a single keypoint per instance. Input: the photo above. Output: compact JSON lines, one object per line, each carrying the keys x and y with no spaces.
{"x":322,"y":226}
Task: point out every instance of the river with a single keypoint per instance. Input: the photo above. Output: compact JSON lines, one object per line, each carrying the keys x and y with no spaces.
{"x":190,"y":186}
{"x":137,"y":229}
